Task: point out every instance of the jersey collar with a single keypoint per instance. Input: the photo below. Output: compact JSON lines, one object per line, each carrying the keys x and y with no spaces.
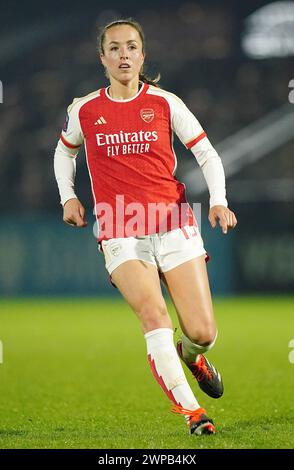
{"x":142,"y":89}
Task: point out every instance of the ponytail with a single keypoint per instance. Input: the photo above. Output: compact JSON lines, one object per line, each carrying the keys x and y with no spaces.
{"x":150,"y":81}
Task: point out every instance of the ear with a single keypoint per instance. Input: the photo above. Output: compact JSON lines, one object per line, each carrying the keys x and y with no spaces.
{"x":101,"y":58}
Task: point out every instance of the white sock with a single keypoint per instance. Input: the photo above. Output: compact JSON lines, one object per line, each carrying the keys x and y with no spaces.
{"x":167,"y":369}
{"x":191,"y":350}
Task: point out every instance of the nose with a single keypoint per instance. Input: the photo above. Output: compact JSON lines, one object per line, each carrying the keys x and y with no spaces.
{"x":123,"y":54}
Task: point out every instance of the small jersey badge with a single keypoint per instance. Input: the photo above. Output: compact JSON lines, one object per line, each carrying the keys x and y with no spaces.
{"x":147,"y":115}
{"x":65,"y":125}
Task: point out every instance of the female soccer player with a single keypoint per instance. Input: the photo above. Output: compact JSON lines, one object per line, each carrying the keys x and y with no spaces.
{"x":147,"y":230}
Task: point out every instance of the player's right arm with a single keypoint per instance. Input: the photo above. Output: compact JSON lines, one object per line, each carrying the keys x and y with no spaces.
{"x":67,"y":149}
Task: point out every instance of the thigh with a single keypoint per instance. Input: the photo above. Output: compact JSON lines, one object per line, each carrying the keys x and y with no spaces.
{"x":179,"y":246}
{"x":188,"y":286}
{"x":119,"y":250}
{"x":139,"y":284}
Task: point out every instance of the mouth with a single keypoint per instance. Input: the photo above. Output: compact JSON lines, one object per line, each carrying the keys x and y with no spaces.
{"x":124,"y":66}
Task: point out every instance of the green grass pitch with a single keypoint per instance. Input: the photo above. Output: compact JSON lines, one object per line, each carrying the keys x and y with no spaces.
{"x":75,"y":375}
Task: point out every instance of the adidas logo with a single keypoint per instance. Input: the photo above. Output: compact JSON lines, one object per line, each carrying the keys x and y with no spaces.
{"x":101,"y":120}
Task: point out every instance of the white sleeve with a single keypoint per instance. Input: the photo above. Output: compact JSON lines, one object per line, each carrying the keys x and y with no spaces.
{"x":71,"y":134}
{"x":66,"y":151}
{"x":213,"y":171}
{"x":65,"y":172}
{"x":192,"y":135}
{"x":184,"y":123}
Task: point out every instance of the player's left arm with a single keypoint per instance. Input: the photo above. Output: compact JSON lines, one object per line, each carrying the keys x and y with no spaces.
{"x":192,"y":135}
{"x":213,"y":171}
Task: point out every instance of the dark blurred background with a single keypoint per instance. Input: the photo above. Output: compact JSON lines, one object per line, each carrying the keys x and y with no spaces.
{"x":231,"y":63}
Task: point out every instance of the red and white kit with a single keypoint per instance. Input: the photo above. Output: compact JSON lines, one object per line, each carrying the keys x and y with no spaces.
{"x":130,"y":156}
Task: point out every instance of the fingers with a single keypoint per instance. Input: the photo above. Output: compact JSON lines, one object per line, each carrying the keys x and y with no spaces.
{"x":229,"y":221}
{"x":235,"y":221}
{"x":71,"y":220}
{"x":82,"y":222}
{"x":223,"y":221}
{"x":213,"y":220}
{"x":75,"y":220}
{"x":226,"y":218}
{"x":74,"y":214}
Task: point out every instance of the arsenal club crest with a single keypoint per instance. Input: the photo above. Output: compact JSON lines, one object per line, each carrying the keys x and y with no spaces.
{"x":147,"y":115}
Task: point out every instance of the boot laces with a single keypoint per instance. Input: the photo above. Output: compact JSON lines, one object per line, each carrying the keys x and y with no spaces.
{"x":202,"y":371}
{"x":194,"y":415}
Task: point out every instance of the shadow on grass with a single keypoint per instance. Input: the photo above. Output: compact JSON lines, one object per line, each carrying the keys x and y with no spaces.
{"x":12,"y":432}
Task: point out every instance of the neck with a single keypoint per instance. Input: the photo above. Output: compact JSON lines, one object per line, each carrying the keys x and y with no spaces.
{"x":123,"y":91}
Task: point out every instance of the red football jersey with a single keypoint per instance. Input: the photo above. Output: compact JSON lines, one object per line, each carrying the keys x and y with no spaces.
{"x":131,"y":160}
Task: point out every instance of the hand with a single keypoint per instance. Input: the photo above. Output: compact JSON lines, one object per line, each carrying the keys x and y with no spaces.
{"x":224,"y":215}
{"x":74,"y":213}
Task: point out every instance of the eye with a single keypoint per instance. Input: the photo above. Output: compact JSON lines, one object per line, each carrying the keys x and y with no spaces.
{"x":113,"y":48}
{"x":132,"y":46}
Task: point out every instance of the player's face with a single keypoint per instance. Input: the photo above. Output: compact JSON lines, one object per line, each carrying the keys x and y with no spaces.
{"x":123,"y":56}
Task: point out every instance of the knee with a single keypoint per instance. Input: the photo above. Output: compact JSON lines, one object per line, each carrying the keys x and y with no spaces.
{"x":203,"y":335}
{"x":154,"y":316}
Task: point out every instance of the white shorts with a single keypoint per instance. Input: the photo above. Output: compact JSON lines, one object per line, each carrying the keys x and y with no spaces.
{"x":163,"y":250}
